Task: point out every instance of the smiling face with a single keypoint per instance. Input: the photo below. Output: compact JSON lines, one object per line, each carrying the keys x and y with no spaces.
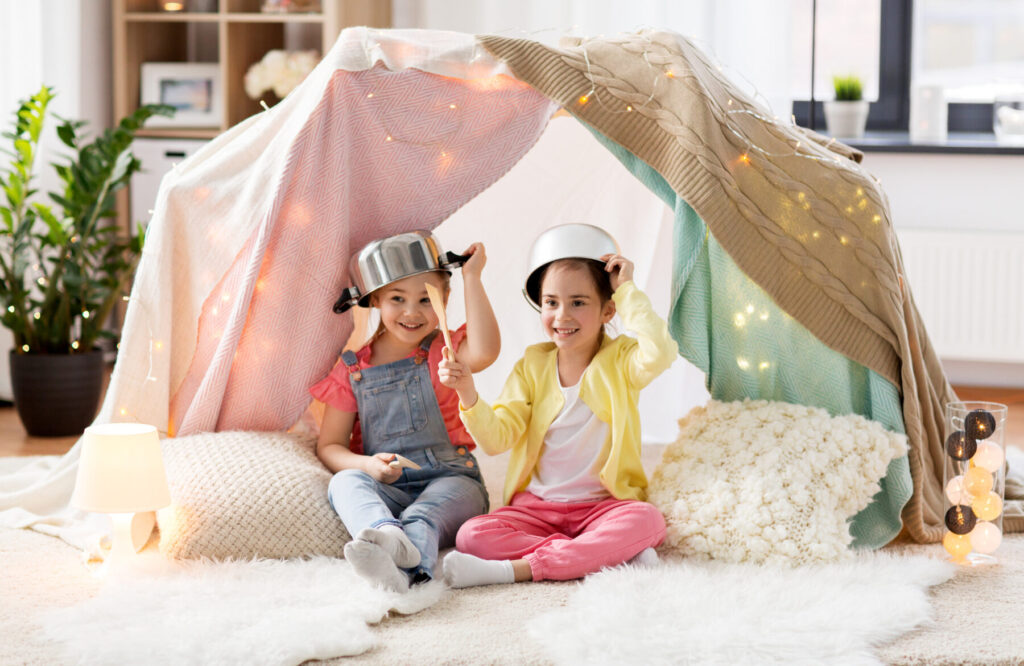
{"x":405,"y":311}
{"x":572,"y":311}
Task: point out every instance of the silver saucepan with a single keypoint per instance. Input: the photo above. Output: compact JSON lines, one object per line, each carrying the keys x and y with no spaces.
{"x":391,"y":259}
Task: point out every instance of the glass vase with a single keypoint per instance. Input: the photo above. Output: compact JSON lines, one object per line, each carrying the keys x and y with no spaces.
{"x":974,"y":478}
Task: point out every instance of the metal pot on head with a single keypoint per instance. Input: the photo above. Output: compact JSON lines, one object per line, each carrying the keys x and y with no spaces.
{"x":391,"y":259}
{"x":566,"y":241}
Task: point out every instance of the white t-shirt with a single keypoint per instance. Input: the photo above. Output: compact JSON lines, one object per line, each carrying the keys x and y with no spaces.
{"x":569,"y":464}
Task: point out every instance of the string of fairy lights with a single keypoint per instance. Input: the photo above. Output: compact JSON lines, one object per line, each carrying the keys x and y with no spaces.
{"x":661,"y":75}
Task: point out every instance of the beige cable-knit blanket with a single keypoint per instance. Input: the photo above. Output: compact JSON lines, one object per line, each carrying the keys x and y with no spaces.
{"x":792,"y":209}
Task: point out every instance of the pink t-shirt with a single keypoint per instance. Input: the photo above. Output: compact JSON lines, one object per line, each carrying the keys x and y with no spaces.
{"x":336,"y":390}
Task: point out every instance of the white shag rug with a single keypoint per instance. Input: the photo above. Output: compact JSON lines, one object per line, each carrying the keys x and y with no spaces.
{"x":237,"y":612}
{"x":685,"y":612}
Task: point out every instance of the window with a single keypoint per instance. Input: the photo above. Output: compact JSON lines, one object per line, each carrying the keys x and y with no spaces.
{"x":870,"y":39}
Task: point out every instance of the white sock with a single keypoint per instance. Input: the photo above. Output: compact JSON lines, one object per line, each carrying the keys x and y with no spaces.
{"x":395,"y":543}
{"x":648,"y":557}
{"x":464,"y":570}
{"x":374,"y":564}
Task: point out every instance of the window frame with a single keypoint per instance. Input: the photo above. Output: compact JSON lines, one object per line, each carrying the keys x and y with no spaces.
{"x":892,"y":109}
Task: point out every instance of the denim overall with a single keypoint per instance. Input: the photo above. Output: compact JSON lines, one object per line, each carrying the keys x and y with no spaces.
{"x":398,"y":413}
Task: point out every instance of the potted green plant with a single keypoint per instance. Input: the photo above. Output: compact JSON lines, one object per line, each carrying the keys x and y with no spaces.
{"x":63,"y":264}
{"x":847,"y":115}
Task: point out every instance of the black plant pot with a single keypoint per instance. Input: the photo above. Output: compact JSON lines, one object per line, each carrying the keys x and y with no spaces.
{"x":56,"y":394}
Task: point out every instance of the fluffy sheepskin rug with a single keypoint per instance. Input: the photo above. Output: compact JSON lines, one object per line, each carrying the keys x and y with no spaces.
{"x":716,"y":613}
{"x":760,"y":481}
{"x":242,"y":612}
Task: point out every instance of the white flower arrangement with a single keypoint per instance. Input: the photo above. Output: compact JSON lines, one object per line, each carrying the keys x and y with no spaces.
{"x":280,"y":71}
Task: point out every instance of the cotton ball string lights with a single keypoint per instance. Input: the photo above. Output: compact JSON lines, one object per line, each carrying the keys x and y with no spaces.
{"x":960,"y":447}
{"x":989,"y":456}
{"x":974,"y":481}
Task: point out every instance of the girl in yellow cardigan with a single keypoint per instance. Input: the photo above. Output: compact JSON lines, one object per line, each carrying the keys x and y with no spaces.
{"x":575,"y":487}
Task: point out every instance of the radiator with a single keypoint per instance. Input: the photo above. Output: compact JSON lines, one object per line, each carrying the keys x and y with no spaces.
{"x":969,"y":288}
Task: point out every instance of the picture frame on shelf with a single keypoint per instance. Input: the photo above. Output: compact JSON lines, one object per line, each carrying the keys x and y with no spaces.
{"x":192,"y":88}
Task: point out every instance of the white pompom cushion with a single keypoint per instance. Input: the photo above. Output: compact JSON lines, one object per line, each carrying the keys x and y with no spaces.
{"x":245,"y":495}
{"x":769,"y":482}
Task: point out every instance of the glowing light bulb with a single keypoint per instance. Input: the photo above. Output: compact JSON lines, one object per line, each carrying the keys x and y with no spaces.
{"x":844,"y":240}
{"x":985,"y":537}
{"x":387,"y":138}
{"x":978,"y":481}
{"x":956,"y":492}
{"x":158,"y":345}
{"x":85,"y":314}
{"x":670,"y":74}
{"x":960,"y":519}
{"x":860,"y":191}
{"x":816,"y":234}
{"x":369,"y":95}
{"x":24,"y":348}
{"x":988,"y":506}
{"x":584,"y":99}
{"x":989,"y":456}
{"x":629,"y":108}
{"x":745,"y":158}
{"x":959,"y":446}
{"x":763,"y":316}
{"x":738,"y":320}
{"x":763,"y":365}
{"x":35,"y":315}
{"x":74,"y":345}
{"x":451,"y":106}
{"x":743,"y":363}
{"x":980,"y":424}
{"x":124,"y":411}
{"x":876,"y":219}
{"x":957,"y":545}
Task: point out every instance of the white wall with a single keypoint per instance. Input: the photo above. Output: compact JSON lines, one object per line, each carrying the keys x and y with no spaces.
{"x":972,"y":195}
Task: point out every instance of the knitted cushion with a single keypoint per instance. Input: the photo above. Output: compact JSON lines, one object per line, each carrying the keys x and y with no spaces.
{"x":760,"y":481}
{"x":247,"y":494}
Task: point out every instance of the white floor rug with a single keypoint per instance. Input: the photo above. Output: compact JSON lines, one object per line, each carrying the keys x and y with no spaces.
{"x":262,"y":612}
{"x":707,"y":613}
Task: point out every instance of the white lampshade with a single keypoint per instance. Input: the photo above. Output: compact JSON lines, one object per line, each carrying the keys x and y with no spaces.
{"x":121,"y":470}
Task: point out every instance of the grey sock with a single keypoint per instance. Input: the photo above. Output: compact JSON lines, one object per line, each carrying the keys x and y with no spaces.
{"x":395,"y":543}
{"x":372,"y":563}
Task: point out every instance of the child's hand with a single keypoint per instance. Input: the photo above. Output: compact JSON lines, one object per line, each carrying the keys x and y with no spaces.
{"x":477,"y":258}
{"x":456,"y":375}
{"x":621,"y":269}
{"x":377,"y":466}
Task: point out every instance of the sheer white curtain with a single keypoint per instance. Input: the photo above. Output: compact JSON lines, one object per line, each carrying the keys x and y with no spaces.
{"x":750,"y":38}
{"x":64,"y":44}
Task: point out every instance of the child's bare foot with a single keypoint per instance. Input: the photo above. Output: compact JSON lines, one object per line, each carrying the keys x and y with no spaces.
{"x":464,"y":570}
{"x":374,"y":564}
{"x":395,"y":543}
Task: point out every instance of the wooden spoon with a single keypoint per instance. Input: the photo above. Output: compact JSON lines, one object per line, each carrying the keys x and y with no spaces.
{"x":442,"y":317}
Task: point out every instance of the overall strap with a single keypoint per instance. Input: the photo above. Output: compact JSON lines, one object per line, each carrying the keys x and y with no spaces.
{"x":352,"y":364}
{"x":424,"y":349}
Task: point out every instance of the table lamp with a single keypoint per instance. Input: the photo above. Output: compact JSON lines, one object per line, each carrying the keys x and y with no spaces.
{"x":121,"y":472}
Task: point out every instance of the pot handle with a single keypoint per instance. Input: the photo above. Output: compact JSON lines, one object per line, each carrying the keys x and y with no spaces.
{"x":349,"y":297}
{"x":452,"y":260}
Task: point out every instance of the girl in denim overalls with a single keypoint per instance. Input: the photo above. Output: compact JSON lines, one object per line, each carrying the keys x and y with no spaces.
{"x":385,"y":399}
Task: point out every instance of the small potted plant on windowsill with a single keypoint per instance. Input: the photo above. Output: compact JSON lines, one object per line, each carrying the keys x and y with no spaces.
{"x":847,"y":115}
{"x":63,"y":266}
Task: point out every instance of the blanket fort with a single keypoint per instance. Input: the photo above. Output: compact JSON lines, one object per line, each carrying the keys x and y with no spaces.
{"x":229,"y":320}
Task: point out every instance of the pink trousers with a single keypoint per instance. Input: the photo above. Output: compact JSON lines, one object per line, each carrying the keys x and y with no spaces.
{"x":563,"y":540}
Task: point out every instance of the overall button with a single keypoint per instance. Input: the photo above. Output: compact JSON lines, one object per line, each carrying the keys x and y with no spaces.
{"x":470,"y":463}
{"x":461,"y":450}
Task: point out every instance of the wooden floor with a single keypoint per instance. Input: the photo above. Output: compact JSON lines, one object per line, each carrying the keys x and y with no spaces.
{"x":14,"y":441}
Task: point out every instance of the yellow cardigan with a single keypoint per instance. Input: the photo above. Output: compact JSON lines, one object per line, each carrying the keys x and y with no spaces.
{"x":610,"y":386}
